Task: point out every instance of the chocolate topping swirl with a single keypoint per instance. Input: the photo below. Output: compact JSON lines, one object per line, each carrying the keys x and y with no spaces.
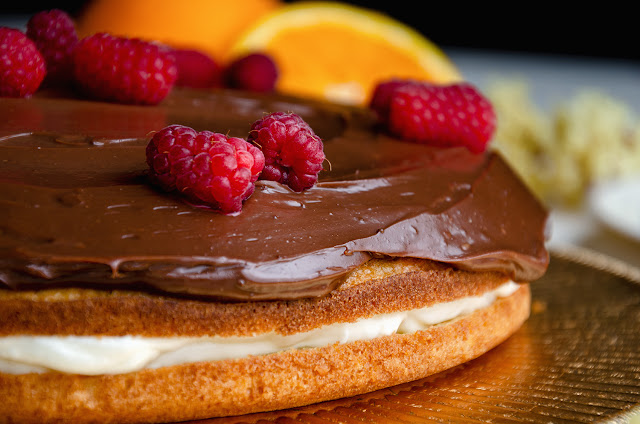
{"x":76,"y":206}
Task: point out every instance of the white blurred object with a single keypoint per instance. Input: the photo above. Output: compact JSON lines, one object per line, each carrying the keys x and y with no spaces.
{"x":616,"y":203}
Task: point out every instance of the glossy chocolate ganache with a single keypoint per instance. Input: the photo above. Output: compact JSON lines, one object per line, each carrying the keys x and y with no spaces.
{"x":76,"y":207}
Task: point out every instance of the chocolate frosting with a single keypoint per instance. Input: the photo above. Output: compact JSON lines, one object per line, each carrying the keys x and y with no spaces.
{"x":76,"y":206}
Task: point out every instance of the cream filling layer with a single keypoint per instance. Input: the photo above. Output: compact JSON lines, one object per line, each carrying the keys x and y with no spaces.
{"x":92,"y":355}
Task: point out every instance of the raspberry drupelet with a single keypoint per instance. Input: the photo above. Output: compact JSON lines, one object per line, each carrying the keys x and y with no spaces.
{"x":209,"y":168}
{"x":293,"y":152}
{"x":124,"y":70}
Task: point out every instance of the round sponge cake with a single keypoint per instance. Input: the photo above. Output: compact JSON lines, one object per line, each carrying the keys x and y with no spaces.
{"x":122,"y":303}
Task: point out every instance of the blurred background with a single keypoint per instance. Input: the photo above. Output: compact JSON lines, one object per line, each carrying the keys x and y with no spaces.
{"x":606,"y":32}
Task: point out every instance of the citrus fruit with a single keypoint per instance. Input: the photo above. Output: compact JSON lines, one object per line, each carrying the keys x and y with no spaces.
{"x":339,"y":52}
{"x":207,"y":25}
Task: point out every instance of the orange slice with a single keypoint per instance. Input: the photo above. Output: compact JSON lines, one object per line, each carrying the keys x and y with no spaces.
{"x":339,"y":52}
{"x":208,"y":25}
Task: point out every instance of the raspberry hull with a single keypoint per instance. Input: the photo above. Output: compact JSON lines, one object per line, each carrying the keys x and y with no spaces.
{"x":124,"y":70}
{"x":209,"y":168}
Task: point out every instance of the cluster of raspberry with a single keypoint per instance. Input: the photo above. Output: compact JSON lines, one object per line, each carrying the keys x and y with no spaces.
{"x":218,"y":171}
{"x":221,"y":171}
{"x":111,"y":68}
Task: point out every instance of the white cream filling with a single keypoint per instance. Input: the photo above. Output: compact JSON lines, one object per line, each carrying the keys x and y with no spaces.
{"x":90,"y":355}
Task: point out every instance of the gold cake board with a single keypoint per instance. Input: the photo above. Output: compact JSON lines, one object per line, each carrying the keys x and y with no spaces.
{"x":577,"y":359}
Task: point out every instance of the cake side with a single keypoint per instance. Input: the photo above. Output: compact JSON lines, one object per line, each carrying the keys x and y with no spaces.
{"x":381,"y":286}
{"x":281,"y":380}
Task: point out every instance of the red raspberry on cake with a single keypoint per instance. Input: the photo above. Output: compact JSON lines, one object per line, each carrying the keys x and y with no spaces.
{"x":22,"y":67}
{"x":124,"y":70}
{"x":381,"y":97}
{"x":293,"y":152}
{"x":440,"y":115}
{"x":253,"y":72}
{"x":207,"y":167}
{"x":54,"y":33}
{"x":197,"y":69}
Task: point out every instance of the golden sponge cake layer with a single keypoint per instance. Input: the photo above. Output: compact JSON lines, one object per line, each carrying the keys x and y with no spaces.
{"x":379,"y":286}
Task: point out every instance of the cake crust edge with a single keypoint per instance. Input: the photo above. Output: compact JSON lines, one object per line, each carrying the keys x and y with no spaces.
{"x":261,"y":383}
{"x":377,"y":287}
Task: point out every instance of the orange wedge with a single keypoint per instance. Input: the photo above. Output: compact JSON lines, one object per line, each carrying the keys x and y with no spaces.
{"x":338,"y":52}
{"x":211,"y":26}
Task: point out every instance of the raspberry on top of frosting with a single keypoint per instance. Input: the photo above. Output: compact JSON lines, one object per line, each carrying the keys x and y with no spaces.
{"x":254,"y":72}
{"x":207,"y":167}
{"x":114,"y":68}
{"x":22,"y":67}
{"x":221,"y":171}
{"x":197,"y":69}
{"x":293,"y":152}
{"x":440,"y":115}
{"x":54,"y":33}
{"x":124,"y":70}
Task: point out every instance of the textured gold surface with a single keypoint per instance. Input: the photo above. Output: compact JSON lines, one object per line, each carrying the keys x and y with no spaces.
{"x":577,"y":359}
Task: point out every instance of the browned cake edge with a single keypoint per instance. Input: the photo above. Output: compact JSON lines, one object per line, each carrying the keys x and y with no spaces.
{"x":377,"y":287}
{"x":260,"y":383}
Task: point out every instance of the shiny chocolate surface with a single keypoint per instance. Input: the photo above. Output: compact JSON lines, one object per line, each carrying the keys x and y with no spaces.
{"x":76,"y":206}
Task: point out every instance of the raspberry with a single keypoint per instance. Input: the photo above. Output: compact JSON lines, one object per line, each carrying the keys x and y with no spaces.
{"x":254,"y":72}
{"x":55,"y":35}
{"x":445,"y":116}
{"x":124,"y":70}
{"x":197,"y":70}
{"x":381,"y":97}
{"x":293,"y":152}
{"x":22,"y":67}
{"x":207,"y":167}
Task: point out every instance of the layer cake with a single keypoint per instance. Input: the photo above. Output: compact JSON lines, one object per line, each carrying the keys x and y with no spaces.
{"x":122,"y":303}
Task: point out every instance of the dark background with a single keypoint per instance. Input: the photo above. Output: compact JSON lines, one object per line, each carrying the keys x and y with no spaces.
{"x":604,"y":30}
